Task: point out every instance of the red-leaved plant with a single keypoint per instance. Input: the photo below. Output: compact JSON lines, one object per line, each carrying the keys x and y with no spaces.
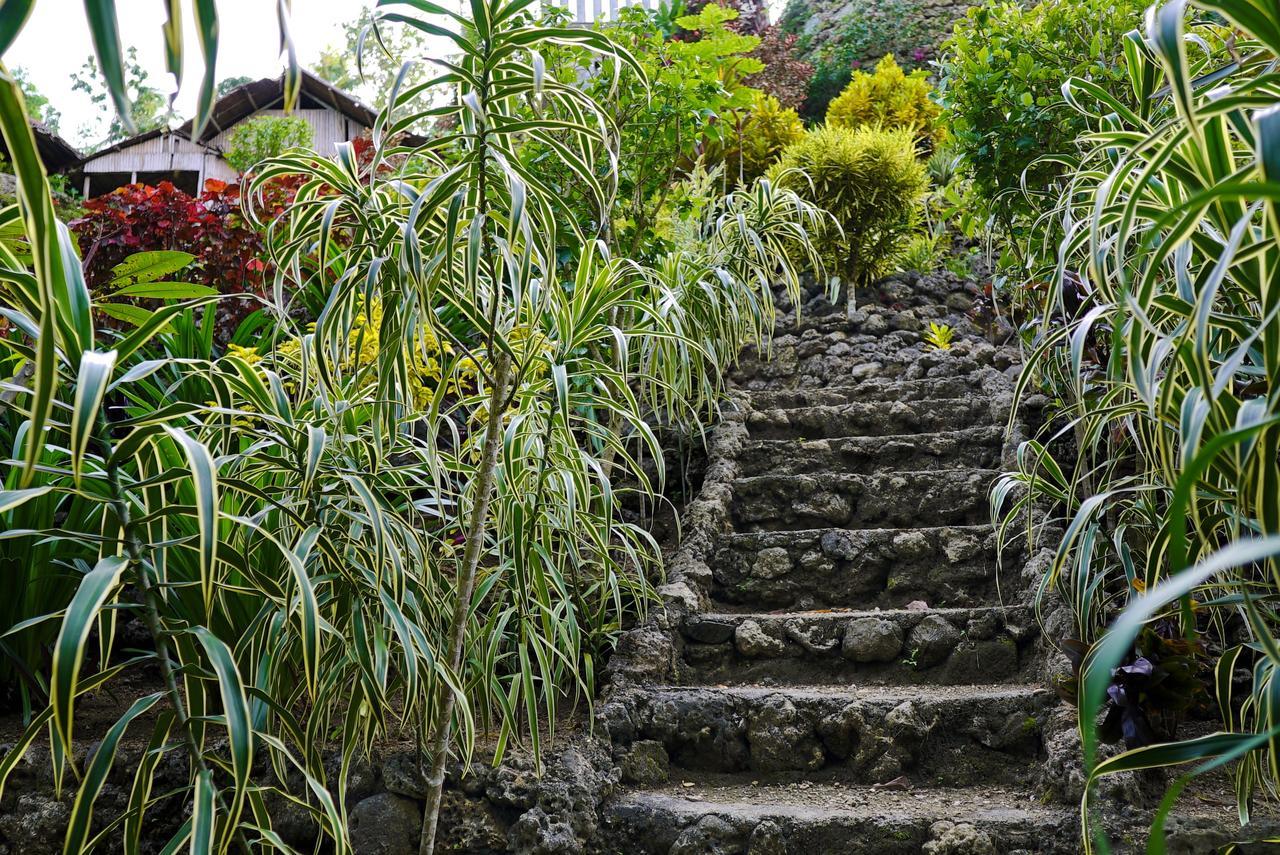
{"x":229,"y":254}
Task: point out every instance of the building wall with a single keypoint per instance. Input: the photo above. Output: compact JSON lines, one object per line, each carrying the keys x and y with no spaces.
{"x":170,"y":153}
{"x":329,"y":126}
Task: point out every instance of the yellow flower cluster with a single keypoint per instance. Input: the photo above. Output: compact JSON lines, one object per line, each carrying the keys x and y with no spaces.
{"x":430,"y":356}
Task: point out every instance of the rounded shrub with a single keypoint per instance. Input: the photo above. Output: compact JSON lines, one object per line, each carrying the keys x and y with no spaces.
{"x":873,"y":185}
{"x":890,"y":98}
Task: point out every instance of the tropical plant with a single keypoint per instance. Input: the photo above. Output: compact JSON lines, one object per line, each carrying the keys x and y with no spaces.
{"x":762,"y":135}
{"x":890,"y":98}
{"x":554,"y":355}
{"x":939,"y":336}
{"x":785,"y":75}
{"x":925,"y":251}
{"x":262,"y":137}
{"x":1159,"y":336}
{"x":147,"y":105}
{"x":861,"y":32}
{"x":225,"y":252}
{"x":407,"y":514}
{"x":1001,"y":76}
{"x":687,"y":100}
{"x":873,"y":185}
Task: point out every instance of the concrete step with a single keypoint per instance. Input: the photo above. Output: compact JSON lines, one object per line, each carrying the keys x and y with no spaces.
{"x":863,"y":648}
{"x":889,"y":499}
{"x":791,"y":818}
{"x":863,"y":568}
{"x":975,"y":447}
{"x":873,"y":419}
{"x":935,"y":735}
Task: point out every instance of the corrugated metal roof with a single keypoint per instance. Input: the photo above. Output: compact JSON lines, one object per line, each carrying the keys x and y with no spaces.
{"x":56,"y":153}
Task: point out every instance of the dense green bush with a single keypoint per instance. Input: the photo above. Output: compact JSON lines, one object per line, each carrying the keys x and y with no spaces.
{"x":262,"y":137}
{"x":890,"y":98}
{"x":692,"y":90}
{"x":871,"y":182}
{"x":1001,"y":85}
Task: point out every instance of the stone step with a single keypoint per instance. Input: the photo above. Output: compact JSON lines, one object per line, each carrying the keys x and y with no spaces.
{"x":871,"y":389}
{"x":862,"y":568}
{"x":934,"y":735}
{"x":892,"y":647}
{"x":839,"y":358}
{"x":976,"y":447}
{"x":872,"y":418}
{"x":738,"y":816}
{"x":890,"y":499}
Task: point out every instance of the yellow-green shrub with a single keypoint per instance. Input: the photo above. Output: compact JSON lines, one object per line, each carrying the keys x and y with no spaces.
{"x":889,"y":98}
{"x":760,"y":140}
{"x":871,"y":182}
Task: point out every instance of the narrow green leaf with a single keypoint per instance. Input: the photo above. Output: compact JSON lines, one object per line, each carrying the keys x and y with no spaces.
{"x":95,"y":776}
{"x":68,"y":651}
{"x":91,"y":386}
{"x":204,"y":477}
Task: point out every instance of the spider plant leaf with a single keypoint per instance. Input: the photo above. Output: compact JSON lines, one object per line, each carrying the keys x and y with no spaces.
{"x":68,"y":652}
{"x":204,"y":815}
{"x":240,"y":734}
{"x":78,"y":826}
{"x":104,"y":28}
{"x":204,"y":479}
{"x":91,"y":386}
{"x":206,"y":18}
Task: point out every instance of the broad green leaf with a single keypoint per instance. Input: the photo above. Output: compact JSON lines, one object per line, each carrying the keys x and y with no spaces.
{"x":166,"y":291}
{"x":148,"y":267}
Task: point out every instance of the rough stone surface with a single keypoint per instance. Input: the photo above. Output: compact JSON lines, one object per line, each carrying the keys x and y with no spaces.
{"x":958,"y":838}
{"x":752,"y":641}
{"x":932,"y":641}
{"x":872,"y":640}
{"x":645,"y":763}
{"x":386,"y":824}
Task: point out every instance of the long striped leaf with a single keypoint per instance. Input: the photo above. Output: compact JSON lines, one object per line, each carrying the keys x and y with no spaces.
{"x":204,"y":479}
{"x":68,"y":650}
{"x":96,"y":775}
{"x":91,"y":386}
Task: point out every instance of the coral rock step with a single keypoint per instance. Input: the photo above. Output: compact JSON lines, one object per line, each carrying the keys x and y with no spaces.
{"x":888,"y":499}
{"x":873,"y":389}
{"x":875,"y":418}
{"x":936,"y":735}
{"x":946,"y":646}
{"x":831,"y":818}
{"x":840,"y":360}
{"x":976,"y":447}
{"x":862,"y":568}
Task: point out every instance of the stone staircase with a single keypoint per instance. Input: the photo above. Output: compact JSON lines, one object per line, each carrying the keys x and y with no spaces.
{"x":842,"y":666}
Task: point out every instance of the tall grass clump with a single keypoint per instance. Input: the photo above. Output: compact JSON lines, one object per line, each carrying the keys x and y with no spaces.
{"x":1158,"y":337}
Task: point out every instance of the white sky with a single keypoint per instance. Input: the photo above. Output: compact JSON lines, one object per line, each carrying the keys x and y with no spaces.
{"x":55,"y":43}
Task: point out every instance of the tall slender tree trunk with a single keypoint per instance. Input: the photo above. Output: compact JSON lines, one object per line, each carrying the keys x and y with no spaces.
{"x":442,"y":739}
